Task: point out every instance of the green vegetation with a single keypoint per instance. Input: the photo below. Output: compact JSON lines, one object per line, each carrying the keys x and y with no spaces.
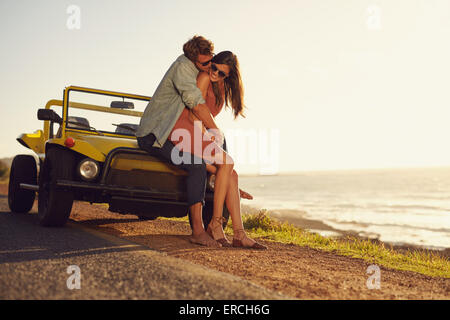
{"x":422,"y":261}
{"x":262,"y":226}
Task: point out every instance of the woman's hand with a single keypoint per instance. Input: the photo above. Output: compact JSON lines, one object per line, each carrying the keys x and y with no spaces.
{"x":245,"y":195}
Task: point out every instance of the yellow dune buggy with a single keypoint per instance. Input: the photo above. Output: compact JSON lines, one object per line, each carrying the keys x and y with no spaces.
{"x":87,"y":151}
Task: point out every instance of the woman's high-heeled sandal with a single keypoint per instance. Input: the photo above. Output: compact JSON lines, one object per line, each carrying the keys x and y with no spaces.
{"x":210,"y":230}
{"x":237,"y":243}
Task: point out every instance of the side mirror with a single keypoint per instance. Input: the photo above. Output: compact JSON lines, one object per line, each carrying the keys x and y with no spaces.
{"x":122,"y":105}
{"x":48,"y":114}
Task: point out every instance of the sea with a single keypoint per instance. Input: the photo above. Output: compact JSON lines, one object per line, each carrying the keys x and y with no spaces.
{"x":397,"y":206}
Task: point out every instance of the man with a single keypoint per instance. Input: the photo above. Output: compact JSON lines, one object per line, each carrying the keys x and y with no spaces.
{"x":176,"y":91}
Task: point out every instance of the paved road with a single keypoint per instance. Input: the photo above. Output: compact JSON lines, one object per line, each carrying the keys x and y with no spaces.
{"x":34,"y":262}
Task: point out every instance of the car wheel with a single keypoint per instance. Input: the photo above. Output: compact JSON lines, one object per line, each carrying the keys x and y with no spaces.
{"x":55,"y":204}
{"x":207,"y":214}
{"x":23,"y":170}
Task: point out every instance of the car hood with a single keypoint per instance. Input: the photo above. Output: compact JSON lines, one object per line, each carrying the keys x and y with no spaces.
{"x":97,"y":147}
{"x":105,"y":144}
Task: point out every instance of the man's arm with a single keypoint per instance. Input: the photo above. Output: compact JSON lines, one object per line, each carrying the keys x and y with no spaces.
{"x":185,"y":82}
{"x":201,"y":111}
{"x":203,"y":114}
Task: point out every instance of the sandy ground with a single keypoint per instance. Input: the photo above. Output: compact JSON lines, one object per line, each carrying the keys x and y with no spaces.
{"x":291,"y":270}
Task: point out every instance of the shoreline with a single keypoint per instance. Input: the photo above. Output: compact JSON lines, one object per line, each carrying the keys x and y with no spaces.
{"x":297,"y":219}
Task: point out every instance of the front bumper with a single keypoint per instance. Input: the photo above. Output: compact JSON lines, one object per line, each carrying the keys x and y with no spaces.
{"x":105,"y":191}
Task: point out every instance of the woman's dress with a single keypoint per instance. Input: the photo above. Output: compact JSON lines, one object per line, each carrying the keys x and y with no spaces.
{"x":188,"y":136}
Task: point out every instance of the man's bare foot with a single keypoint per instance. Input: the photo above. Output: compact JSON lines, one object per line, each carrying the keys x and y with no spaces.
{"x":245,"y":195}
{"x":204,"y":239}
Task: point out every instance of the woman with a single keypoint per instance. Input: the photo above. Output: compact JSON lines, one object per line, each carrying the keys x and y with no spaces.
{"x":221,"y":85}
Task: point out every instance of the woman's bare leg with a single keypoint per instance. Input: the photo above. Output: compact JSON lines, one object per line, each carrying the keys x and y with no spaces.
{"x":224,"y":166}
{"x":234,"y":207}
{"x":243,"y":194}
{"x":233,"y":197}
{"x":233,"y":203}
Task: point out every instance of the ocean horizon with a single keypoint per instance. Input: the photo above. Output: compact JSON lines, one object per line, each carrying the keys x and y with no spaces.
{"x":401,"y":206}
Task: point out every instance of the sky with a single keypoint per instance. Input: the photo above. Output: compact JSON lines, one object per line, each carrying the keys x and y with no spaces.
{"x":329,"y":85}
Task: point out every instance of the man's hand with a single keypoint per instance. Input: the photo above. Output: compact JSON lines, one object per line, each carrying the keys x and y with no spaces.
{"x":212,"y":134}
{"x":218,"y":136}
{"x":201,"y":111}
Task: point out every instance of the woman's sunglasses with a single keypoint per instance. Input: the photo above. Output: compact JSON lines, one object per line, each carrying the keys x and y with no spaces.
{"x":215,"y":69}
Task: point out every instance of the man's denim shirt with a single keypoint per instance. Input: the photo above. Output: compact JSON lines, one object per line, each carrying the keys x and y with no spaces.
{"x":177,"y":90}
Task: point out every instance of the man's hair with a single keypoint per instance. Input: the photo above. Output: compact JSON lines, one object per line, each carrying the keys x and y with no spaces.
{"x":197,"y":45}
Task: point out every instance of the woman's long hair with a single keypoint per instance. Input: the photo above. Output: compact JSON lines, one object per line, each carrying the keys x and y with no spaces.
{"x":234,"y":92}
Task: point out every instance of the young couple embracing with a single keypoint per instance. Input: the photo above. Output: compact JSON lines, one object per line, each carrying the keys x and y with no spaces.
{"x":178,"y":125}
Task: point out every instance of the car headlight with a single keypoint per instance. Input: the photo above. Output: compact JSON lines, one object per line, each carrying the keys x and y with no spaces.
{"x":88,"y":169}
{"x":211,"y":181}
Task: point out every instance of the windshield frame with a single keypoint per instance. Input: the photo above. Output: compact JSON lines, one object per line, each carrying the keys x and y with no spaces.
{"x":67,"y":103}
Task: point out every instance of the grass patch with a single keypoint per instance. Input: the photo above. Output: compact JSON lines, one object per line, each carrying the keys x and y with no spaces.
{"x":260,"y":225}
{"x":182,"y":219}
{"x":422,"y":261}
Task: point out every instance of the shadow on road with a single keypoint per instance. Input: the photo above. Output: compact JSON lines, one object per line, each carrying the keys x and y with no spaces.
{"x":159,"y":234}
{"x":23,"y":239}
{"x":168,"y":243}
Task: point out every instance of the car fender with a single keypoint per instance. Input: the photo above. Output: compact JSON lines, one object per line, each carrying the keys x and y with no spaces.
{"x":81,"y":147}
{"x":34,"y":141}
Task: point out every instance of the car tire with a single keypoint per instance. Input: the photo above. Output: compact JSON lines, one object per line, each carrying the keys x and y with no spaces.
{"x":23,"y":170}
{"x":55,"y":204}
{"x":207,"y":214}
